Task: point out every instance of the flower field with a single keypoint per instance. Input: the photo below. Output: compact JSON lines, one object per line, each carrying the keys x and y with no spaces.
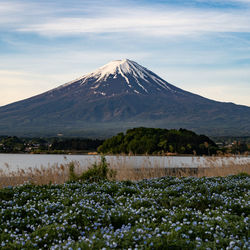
{"x":168,"y":212}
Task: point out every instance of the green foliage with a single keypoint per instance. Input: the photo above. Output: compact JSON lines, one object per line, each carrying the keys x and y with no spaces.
{"x":6,"y":194}
{"x":72,"y":175}
{"x":75,"y":144}
{"x":243,"y":174}
{"x":97,"y":172}
{"x":13,"y":144}
{"x":154,"y":141}
{"x":162,"y":213}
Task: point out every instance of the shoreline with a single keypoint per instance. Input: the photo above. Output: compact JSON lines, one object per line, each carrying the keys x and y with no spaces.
{"x":127,"y":155}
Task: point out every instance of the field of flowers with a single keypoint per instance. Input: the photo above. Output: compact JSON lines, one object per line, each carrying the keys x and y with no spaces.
{"x":169,"y":212}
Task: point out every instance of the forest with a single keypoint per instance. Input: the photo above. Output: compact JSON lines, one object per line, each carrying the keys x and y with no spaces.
{"x":154,"y":141}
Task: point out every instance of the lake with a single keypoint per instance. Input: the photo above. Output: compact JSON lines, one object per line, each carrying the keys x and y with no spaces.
{"x":13,"y":162}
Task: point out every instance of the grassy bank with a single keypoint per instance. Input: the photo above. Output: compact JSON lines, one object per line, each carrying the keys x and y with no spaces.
{"x":169,"y":212}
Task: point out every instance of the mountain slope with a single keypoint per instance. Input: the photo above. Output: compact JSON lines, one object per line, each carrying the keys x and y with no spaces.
{"x":120,"y":95}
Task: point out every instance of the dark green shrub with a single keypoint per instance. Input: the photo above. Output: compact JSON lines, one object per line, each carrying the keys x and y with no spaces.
{"x":6,"y":194}
{"x":97,"y":172}
{"x":118,"y":220}
{"x":72,"y":175}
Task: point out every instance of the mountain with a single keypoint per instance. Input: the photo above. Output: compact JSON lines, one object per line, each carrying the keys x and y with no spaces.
{"x":120,"y":95}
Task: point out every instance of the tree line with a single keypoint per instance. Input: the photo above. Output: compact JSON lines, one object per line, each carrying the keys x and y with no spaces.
{"x":134,"y":141}
{"x":13,"y":144}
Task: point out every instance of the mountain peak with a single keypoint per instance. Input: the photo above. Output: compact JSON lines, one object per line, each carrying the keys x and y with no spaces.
{"x":125,"y":76}
{"x":122,"y":66}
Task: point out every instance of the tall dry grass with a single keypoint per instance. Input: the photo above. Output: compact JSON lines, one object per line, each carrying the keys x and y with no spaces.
{"x":221,"y":166}
{"x":58,"y":174}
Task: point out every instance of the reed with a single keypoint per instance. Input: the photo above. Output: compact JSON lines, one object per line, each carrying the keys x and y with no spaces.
{"x":220,"y":166}
{"x":58,"y":174}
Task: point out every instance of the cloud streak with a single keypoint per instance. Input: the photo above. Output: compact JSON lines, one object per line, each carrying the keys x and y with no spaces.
{"x":46,"y":43}
{"x":160,"y":23}
{"x":160,"y":20}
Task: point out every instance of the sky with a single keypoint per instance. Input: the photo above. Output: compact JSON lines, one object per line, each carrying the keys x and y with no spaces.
{"x":197,"y":45}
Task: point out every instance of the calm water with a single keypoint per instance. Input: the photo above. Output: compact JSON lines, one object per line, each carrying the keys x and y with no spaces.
{"x":13,"y":162}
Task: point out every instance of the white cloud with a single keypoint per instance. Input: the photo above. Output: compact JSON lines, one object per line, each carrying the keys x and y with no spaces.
{"x":52,"y":66}
{"x":241,"y":1}
{"x":226,"y":1}
{"x":159,"y":20}
{"x":146,"y":22}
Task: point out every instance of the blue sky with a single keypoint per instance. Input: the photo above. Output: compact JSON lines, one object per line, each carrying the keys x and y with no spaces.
{"x":200,"y":46}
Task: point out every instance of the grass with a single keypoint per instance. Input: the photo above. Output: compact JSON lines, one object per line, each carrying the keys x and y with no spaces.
{"x":59,"y":174}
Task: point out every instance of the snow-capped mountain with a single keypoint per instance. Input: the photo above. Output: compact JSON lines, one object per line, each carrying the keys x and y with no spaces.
{"x":128,"y":76}
{"x":119,"y":95}
{"x":121,"y":77}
